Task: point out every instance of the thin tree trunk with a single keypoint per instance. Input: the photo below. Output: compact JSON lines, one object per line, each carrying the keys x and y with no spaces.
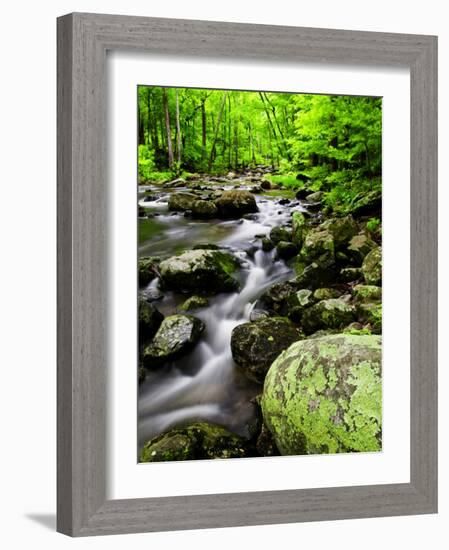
{"x":217,"y":128}
{"x":168,"y":130}
{"x":178,"y":132}
{"x":203,"y":132}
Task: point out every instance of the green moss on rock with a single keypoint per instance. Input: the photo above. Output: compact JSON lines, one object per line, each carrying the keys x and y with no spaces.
{"x":323,"y":395}
{"x":372,"y":267}
{"x":334,"y":313}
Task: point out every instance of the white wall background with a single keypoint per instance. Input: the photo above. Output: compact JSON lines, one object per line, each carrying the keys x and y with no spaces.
{"x":28,"y":241}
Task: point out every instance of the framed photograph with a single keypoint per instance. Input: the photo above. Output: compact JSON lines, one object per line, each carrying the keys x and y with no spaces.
{"x":247,"y":279}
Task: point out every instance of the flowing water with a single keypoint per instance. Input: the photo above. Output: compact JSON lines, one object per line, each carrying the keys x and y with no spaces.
{"x":206,"y":384}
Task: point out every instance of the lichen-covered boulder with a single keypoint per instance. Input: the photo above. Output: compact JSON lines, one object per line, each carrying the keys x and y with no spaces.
{"x":199,"y":440}
{"x":278,"y":234}
{"x":286,"y":250}
{"x":359,"y":246}
{"x":200,"y":271}
{"x":150,"y":320}
{"x":299,"y":225}
{"x":203,"y":209}
{"x":319,"y":246}
{"x":326,"y":293}
{"x":341,"y":229}
{"x":372,"y":267}
{"x":194,"y":302}
{"x":324,"y":395}
{"x":367,"y":293}
{"x":147,"y":269}
{"x":177,"y":334}
{"x":235,"y":203}
{"x":334,"y":313}
{"x":256,"y":345}
{"x":181,"y":201}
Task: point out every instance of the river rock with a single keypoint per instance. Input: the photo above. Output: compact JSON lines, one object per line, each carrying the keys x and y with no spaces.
{"x":324,"y":395}
{"x":182,"y":201}
{"x":194,"y":302}
{"x":286,"y":250}
{"x":278,"y":234}
{"x":349,"y":274}
{"x":203,"y":209}
{"x":266,"y":185}
{"x":370,"y":312}
{"x":150,"y":320}
{"x":255,"y":345}
{"x":265,"y":444}
{"x":367,"y":293}
{"x":200,"y":271}
{"x":299,"y":224}
{"x":341,"y":229}
{"x":297,"y":302}
{"x":359,"y":246}
{"x":233,"y":204}
{"x":148,"y":269}
{"x":177,"y":334}
{"x":196,"y":441}
{"x":318,"y":245}
{"x":372,"y":267}
{"x":326,"y":293}
{"x":315,"y":197}
{"x":276,"y":296}
{"x":314,"y":274}
{"x":267,"y":244}
{"x":334,"y":313}
{"x":367,"y":204}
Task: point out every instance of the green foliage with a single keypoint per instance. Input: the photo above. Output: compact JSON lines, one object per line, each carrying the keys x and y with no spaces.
{"x":372,"y":225}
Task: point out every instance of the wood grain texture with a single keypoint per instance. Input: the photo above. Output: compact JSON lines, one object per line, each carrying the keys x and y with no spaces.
{"x":83,"y":40}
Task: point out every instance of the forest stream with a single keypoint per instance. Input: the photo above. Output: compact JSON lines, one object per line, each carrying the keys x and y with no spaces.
{"x":206,"y":385}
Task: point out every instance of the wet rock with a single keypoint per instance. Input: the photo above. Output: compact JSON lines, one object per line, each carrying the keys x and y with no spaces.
{"x":148,"y":269}
{"x":334,"y":313}
{"x":324,"y":395}
{"x":341,"y":229}
{"x":195,"y":441}
{"x":182,"y":201}
{"x":275,"y":298}
{"x":349,"y":274}
{"x":318,"y":246}
{"x":194,"y":302}
{"x":150,"y":320}
{"x":297,"y":302}
{"x":200,"y":271}
{"x":257,"y":314}
{"x":278,"y":234}
{"x":314,"y":274}
{"x":315,"y":197}
{"x":284,"y":201}
{"x":206,"y":246}
{"x":233,"y":204}
{"x":203,"y":209}
{"x":176,"y":335}
{"x":326,"y":293}
{"x":367,"y":293}
{"x":368,"y":204}
{"x":266,"y":444}
{"x":151,"y":294}
{"x":266,"y":185}
{"x":286,"y":250}
{"x":372,"y":267}
{"x":359,"y":246}
{"x":255,"y":345}
{"x":370,"y":313}
{"x":299,"y":225}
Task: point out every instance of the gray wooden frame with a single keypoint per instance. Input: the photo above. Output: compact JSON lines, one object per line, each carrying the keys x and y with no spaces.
{"x":83,"y":40}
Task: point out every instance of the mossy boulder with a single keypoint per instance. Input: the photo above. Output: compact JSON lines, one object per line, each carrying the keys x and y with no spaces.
{"x":275,"y":298}
{"x":267,"y":244}
{"x":177,"y":334}
{"x":182,"y":201}
{"x":256,"y":345}
{"x":324,"y":395}
{"x":286,"y":250}
{"x":341,"y":229}
{"x":367,"y":204}
{"x":278,"y":234}
{"x":299,"y":226}
{"x":319,"y":246}
{"x":235,"y":203}
{"x":372,"y":267}
{"x":194,"y":302}
{"x":359,"y":246}
{"x":200,"y":271}
{"x":203,"y":209}
{"x":314,"y":275}
{"x":334,"y":313}
{"x":370,"y":312}
{"x":314,"y":197}
{"x":196,"y":441}
{"x":326,"y":293}
{"x":147,"y":269}
{"x":367,"y":293}
{"x":150,"y":320}
{"x":297,"y":302}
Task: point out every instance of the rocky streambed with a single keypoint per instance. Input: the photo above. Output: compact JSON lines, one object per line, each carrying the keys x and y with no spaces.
{"x":259,"y":323}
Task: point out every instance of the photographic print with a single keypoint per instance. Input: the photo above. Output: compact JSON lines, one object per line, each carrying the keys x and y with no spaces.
{"x":259,"y":274}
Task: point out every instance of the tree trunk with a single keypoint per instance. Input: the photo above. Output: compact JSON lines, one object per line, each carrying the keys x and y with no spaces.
{"x":203,"y":131}
{"x":217,"y":128}
{"x":168,"y":130}
{"x":178,"y":132}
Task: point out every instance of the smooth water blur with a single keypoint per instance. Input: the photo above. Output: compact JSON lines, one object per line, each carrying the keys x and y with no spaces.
{"x":206,"y":384}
